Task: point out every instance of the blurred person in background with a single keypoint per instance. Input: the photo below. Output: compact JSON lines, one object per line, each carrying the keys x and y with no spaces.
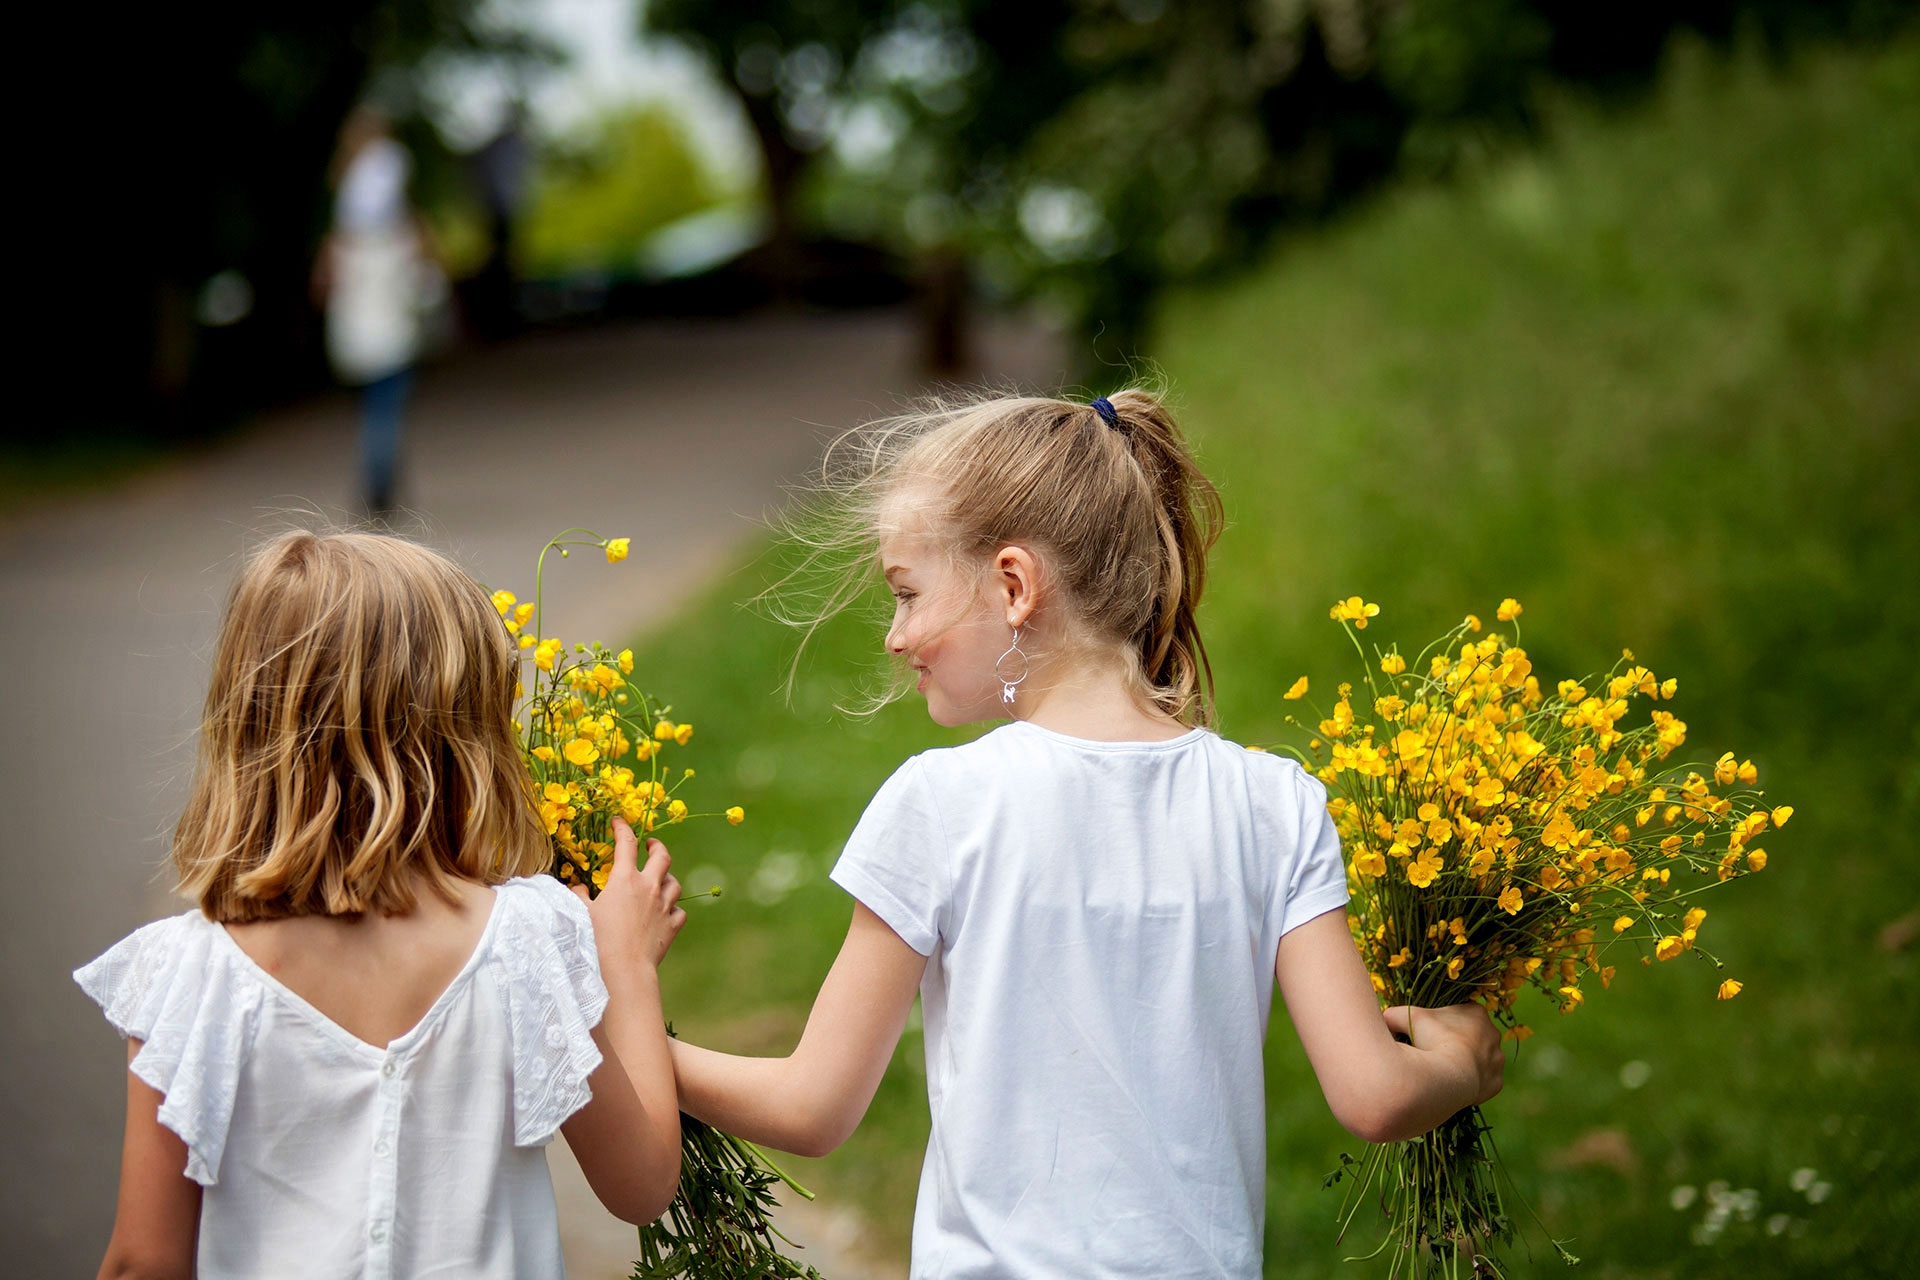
{"x":374,"y":276}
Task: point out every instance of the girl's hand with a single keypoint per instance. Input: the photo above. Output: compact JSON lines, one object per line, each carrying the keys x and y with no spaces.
{"x":1460,"y":1033}
{"x":637,"y":916}
{"x":1382,"y":1091}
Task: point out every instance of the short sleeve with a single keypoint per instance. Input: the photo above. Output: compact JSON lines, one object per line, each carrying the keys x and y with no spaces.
{"x":895,"y":862}
{"x":1317,"y":879}
{"x":174,"y":986}
{"x":555,"y":999}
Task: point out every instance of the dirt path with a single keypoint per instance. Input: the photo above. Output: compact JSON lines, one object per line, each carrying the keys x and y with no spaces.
{"x":680,"y":433}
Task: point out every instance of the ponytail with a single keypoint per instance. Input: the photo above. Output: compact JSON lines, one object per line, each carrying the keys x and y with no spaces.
{"x":1188,"y":517}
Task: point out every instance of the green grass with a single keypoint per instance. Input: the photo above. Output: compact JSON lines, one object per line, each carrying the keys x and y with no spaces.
{"x":1661,"y":381}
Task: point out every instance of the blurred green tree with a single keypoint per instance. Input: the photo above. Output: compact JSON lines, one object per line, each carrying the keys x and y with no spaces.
{"x":942,"y":94}
{"x":595,"y":203}
{"x":1088,"y":152}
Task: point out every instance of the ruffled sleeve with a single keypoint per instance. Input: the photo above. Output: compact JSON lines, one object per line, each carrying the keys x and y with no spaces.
{"x":173,"y":986}
{"x":555,"y":999}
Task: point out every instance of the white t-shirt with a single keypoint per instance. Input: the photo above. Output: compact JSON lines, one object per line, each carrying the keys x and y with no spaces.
{"x":1101,"y":921}
{"x":323,"y":1155}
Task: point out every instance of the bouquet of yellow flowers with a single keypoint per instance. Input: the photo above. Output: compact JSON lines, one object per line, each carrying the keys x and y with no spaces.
{"x":1501,"y":835}
{"x":595,"y":748}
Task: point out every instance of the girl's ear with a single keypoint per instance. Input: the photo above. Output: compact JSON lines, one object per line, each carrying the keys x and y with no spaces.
{"x":1017,"y":579}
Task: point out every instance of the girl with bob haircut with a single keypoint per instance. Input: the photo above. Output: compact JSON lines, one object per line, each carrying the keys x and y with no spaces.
{"x":1094,"y":901}
{"x":348,"y":1057}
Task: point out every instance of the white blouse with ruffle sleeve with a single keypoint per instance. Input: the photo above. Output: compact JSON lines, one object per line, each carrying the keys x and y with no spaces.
{"x":323,"y":1155}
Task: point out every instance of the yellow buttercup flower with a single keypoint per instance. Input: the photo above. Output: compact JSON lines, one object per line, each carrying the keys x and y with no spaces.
{"x":681,"y":733}
{"x":1730,"y":988}
{"x":503,"y":601}
{"x":1473,"y":624}
{"x":617,"y":550}
{"x":1297,"y":690}
{"x":1355,"y":610}
{"x":1781,"y":815}
{"x":676,"y":810}
{"x":1570,"y":824}
{"x":626,"y":661}
{"x":581,"y":752}
{"x":736,"y":815}
{"x":548,"y":653}
{"x":663,"y":731}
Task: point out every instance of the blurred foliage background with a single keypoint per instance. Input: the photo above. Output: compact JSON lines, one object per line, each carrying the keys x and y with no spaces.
{"x":1655,"y":376}
{"x":1075,"y":155}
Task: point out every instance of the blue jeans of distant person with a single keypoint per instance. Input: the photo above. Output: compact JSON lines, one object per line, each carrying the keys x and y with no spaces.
{"x":382,"y":403}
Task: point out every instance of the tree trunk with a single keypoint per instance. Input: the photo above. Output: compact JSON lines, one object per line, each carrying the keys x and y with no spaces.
{"x":785,"y":263}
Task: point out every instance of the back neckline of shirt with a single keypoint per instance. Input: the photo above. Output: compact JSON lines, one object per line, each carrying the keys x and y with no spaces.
{"x":401,"y":1043}
{"x":1191,"y":736}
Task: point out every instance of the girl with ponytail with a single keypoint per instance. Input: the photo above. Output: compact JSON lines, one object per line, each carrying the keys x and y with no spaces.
{"x":1094,"y":900}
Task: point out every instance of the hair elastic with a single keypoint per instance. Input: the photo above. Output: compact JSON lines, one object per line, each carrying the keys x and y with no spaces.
{"x":1108,"y":414}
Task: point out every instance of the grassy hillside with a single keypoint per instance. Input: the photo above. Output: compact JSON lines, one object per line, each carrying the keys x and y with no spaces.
{"x":1661,"y":381}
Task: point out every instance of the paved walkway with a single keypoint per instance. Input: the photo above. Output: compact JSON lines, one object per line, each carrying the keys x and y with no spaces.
{"x":684,"y":431}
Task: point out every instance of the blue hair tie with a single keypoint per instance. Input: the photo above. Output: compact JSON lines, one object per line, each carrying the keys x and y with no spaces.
{"x":1108,"y":414}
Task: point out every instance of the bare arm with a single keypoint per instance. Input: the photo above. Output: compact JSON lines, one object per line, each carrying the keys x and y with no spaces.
{"x":156,"y":1224}
{"x":627,"y":1138}
{"x":1380,"y":1089}
{"x":810,"y":1101}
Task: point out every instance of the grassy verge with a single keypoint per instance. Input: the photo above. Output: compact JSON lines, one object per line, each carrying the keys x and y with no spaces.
{"x":1658,"y":381}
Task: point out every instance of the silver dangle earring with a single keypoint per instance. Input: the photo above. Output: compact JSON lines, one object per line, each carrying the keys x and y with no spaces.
{"x":1000,"y":664}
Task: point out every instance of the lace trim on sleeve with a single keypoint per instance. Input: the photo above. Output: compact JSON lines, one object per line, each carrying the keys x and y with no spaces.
{"x":554,"y":997}
{"x":172,"y":986}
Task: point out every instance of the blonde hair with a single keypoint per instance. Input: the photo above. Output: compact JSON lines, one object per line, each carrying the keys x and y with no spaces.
{"x":358,"y":737}
{"x":1120,"y":515}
